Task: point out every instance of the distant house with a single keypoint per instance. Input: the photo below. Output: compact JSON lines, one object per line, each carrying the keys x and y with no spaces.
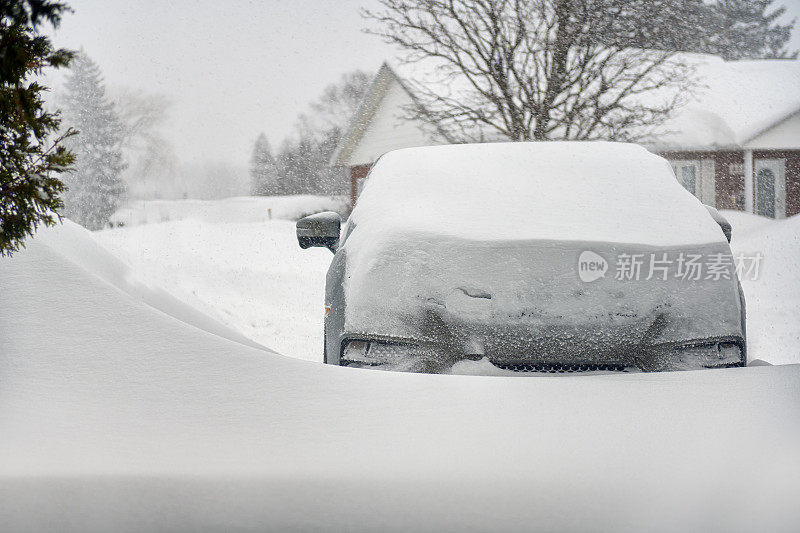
{"x":734,"y":145}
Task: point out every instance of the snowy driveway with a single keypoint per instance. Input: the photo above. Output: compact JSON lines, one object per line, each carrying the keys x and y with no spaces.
{"x":118,"y":416}
{"x":252,"y":276}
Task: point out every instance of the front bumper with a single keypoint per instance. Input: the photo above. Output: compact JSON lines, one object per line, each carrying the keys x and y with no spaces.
{"x":406,"y":355}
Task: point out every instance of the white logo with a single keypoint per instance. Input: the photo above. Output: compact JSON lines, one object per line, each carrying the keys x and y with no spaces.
{"x":591,"y":266}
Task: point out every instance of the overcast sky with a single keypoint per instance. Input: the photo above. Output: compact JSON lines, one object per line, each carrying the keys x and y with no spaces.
{"x":233,"y":68}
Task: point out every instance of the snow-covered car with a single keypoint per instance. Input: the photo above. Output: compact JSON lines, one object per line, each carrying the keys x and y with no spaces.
{"x":552,"y":256}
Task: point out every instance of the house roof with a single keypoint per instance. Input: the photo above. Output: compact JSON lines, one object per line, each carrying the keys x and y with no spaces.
{"x":373,"y":99}
{"x":361,"y":119}
{"x":732,"y":103}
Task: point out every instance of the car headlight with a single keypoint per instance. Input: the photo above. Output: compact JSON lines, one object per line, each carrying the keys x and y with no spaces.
{"x":390,"y":356}
{"x":375,"y":353}
{"x":693,"y":356}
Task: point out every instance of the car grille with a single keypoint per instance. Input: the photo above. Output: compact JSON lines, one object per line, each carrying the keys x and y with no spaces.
{"x":561,"y":368}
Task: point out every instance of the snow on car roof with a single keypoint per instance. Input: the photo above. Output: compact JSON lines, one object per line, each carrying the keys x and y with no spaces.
{"x":563,"y":191}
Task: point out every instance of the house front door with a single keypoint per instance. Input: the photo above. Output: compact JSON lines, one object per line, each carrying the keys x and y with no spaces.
{"x":770,"y":187}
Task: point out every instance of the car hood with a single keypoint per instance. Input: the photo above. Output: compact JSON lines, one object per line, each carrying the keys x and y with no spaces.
{"x":543,"y":300}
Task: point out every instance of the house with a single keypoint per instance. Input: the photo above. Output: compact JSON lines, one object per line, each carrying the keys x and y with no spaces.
{"x":735,"y":144}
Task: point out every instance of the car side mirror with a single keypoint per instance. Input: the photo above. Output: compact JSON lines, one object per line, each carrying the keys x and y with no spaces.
{"x":321,"y":230}
{"x":722,"y":221}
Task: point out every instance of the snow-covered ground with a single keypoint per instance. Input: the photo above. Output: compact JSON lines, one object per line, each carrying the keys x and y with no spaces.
{"x":238,"y":209}
{"x":773,"y":299}
{"x":227,"y":259}
{"x":122,"y":410}
{"x":252,"y":276}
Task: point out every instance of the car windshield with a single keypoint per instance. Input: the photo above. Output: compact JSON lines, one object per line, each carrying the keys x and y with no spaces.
{"x":384,"y":265}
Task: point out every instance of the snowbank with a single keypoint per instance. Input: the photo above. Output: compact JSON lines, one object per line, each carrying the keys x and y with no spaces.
{"x":255,"y":279}
{"x":76,"y":245}
{"x":116,"y":416}
{"x":773,"y":298}
{"x":241,"y":209}
{"x":251,"y":276}
{"x":744,"y":224}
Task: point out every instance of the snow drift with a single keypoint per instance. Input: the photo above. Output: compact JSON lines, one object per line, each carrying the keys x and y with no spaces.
{"x":77,"y":246}
{"x":117,"y":416}
{"x":252,"y":276}
{"x":773,"y":297}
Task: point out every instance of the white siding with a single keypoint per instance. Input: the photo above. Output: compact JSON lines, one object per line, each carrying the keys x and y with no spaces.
{"x":388,"y":130}
{"x":784,"y":135}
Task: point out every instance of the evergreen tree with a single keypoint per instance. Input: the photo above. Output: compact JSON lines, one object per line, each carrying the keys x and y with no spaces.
{"x":304,"y":159}
{"x":732,"y":29}
{"x":746,"y":30}
{"x":152,"y":164}
{"x":297,"y":166}
{"x":30,"y":166}
{"x":96,"y":186}
{"x":263,"y":171}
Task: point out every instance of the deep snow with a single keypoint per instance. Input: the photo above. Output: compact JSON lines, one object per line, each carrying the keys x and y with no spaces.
{"x":118,"y":416}
{"x":773,"y":299}
{"x":250,"y":275}
{"x":253,"y":277}
{"x":77,"y":245}
{"x":238,"y":209}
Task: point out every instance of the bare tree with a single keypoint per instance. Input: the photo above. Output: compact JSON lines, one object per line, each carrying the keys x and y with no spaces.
{"x":338,"y":102}
{"x":153,"y":165}
{"x":303,"y":159}
{"x":537,"y":69}
{"x":142,"y":114}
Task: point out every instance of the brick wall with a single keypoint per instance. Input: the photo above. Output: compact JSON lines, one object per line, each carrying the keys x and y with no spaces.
{"x":356,"y":173}
{"x":729,"y":175}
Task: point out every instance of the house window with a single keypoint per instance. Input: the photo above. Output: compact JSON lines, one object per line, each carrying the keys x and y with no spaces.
{"x":688,"y":175}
